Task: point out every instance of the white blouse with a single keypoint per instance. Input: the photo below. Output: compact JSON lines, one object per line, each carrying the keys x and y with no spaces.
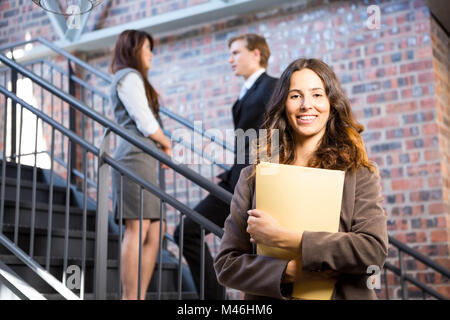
{"x":131,"y":92}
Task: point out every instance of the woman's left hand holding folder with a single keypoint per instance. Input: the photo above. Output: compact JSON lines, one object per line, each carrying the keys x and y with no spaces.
{"x":264,"y":229}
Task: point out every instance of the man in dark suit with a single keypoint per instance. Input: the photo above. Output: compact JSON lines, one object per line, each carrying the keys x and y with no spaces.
{"x":249,"y":55}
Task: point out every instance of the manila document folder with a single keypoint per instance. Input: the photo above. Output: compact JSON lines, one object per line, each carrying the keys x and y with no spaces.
{"x":300,"y":199}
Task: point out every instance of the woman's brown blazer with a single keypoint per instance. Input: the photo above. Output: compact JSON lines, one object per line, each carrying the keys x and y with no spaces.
{"x":362,"y":241}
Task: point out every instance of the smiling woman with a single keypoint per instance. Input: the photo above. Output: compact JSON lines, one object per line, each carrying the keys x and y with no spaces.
{"x":316,"y":126}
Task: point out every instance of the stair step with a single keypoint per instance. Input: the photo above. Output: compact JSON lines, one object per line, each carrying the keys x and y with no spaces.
{"x":75,"y":237}
{"x":26,"y":171}
{"x":42,"y":192}
{"x":58,"y":241}
{"x":41,"y":215}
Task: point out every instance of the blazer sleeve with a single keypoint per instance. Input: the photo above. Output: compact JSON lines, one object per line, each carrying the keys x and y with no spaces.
{"x":367,"y":242}
{"x":236,"y":265}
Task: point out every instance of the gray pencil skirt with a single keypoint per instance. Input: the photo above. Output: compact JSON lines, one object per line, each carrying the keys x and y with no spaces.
{"x":145,"y":167}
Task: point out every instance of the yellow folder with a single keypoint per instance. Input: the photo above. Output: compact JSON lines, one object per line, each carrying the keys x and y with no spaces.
{"x":300,"y":199}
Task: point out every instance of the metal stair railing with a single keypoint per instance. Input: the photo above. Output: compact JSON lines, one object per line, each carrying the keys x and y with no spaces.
{"x":404,"y":278}
{"x":113,"y":127}
{"x":105,"y":162}
{"x":98,"y":100}
{"x":212,"y":188}
{"x":209,"y":167}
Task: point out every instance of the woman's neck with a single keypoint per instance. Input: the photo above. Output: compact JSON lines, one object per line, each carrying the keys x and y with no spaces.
{"x":304,"y":150}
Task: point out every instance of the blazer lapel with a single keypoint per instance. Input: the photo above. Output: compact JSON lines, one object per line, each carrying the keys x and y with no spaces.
{"x":239,"y":103}
{"x":235,"y":111}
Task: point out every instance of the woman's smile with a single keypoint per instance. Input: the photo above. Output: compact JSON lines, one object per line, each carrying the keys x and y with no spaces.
{"x":306,"y":119}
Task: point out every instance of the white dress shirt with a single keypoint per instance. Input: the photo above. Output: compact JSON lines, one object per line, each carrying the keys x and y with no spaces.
{"x":131,"y":92}
{"x":250,"y":81}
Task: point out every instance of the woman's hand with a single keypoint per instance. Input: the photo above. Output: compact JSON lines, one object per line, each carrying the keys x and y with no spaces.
{"x":264,"y":229}
{"x":167,"y":150}
{"x":293,"y":272}
{"x":163,"y":143}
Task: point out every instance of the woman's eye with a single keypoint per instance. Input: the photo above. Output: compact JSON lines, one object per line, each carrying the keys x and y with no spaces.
{"x":317,"y":95}
{"x":295,"y":96}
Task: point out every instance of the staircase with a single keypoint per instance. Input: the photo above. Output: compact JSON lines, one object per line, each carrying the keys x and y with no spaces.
{"x":66,"y":246}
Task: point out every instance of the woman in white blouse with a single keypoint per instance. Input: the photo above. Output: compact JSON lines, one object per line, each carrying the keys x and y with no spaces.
{"x":135,"y":106}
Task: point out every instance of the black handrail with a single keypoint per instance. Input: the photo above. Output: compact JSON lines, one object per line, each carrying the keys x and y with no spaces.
{"x":217,"y":191}
{"x":419,"y":256}
{"x":417,"y":283}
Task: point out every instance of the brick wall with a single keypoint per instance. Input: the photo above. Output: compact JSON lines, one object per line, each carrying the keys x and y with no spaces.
{"x":396,"y":78}
{"x":441,"y":67}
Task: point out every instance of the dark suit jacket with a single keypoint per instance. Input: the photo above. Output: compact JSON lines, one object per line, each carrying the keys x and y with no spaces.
{"x":362,"y":241}
{"x":248,"y":113}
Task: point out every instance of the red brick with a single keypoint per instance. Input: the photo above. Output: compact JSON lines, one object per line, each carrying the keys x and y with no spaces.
{"x":439,"y":236}
{"x":443,"y":262}
{"x":414,"y":157}
{"x":436,"y":208}
{"x":387,"y":122}
{"x":431,"y":155}
{"x":407,"y":184}
{"x":430,"y":129}
{"x":406,"y":93}
{"x":442,"y":222}
{"x":426,"y":77}
{"x":425,"y":143}
{"x":444,"y":290}
{"x":434,"y":182}
{"x":429,"y":103}
{"x":416,"y":66}
{"x":401,"y":107}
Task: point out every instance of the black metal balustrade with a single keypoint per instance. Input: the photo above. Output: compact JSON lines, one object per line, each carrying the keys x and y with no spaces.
{"x":61,"y":74}
{"x":102,"y":178}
